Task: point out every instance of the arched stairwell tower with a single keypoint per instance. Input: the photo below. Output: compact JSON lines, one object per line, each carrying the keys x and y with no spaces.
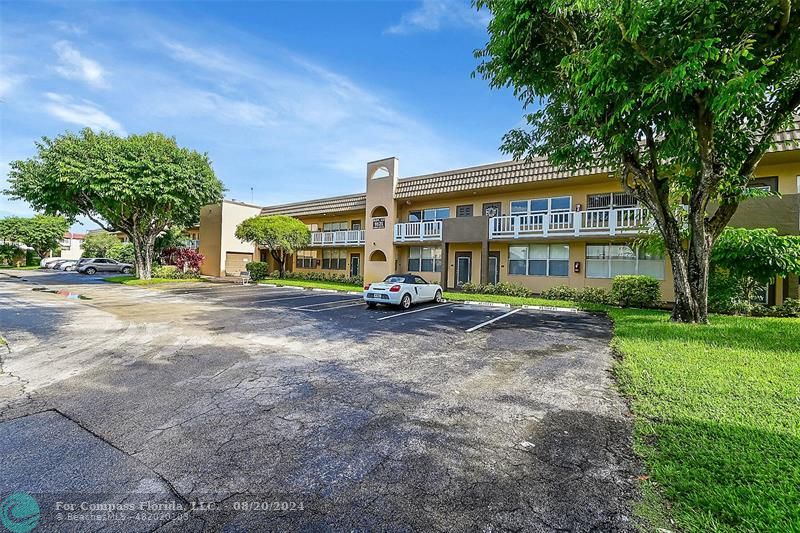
{"x":379,"y":247}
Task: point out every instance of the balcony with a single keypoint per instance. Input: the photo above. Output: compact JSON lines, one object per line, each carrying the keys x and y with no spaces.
{"x":418,"y":231}
{"x":594,"y":222}
{"x":194,"y":244}
{"x":353,"y":237}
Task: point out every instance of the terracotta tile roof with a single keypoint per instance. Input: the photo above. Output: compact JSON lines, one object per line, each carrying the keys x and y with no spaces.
{"x":77,"y":236}
{"x":336,"y":204}
{"x":539,"y":169}
{"x":480,"y":177}
{"x":494,"y":175}
{"x":788,"y":139}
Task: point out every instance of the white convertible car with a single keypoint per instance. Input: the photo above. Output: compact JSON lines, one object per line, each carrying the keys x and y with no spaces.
{"x":403,"y":290}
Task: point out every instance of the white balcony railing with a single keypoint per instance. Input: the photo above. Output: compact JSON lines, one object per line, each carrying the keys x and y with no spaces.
{"x":337,"y":238}
{"x":194,"y":244}
{"x":591,"y":223}
{"x":418,"y":231}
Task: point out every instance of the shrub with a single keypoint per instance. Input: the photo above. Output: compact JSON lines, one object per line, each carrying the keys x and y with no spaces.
{"x":636,"y":291}
{"x":727,"y":293}
{"x":173,"y":272}
{"x":560,"y":292}
{"x":183,"y":258}
{"x":502,"y":289}
{"x":593,"y":295}
{"x":122,"y":252}
{"x":789,"y":308}
{"x":321,"y":276}
{"x":257,"y":269}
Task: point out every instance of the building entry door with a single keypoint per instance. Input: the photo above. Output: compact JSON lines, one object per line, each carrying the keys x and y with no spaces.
{"x":463,"y":268}
{"x":494,"y":267}
{"x":355,"y":265}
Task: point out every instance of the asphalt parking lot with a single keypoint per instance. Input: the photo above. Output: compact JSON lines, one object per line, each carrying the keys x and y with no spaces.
{"x":260,"y":408}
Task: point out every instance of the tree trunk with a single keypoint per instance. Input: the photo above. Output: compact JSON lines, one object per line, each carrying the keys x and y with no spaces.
{"x":143,"y":250}
{"x":280,"y":258}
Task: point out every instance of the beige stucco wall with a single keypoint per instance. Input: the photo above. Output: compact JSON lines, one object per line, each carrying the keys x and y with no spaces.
{"x":380,"y":193}
{"x":217,"y":227}
{"x":75,"y":250}
{"x":577,"y":189}
{"x":577,"y":253}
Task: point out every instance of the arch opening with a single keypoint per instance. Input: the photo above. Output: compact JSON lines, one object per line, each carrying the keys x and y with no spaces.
{"x":380,"y":172}
{"x":377,"y":255}
{"x":379,"y":211}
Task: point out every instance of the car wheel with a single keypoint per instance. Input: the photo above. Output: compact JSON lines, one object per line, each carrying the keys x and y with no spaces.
{"x":405,"y":302}
{"x":91,"y":271}
{"x":438,"y":297}
{"x":126,"y":270}
{"x":371,"y":305}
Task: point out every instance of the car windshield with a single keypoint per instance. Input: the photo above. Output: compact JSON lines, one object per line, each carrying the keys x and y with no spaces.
{"x":395,"y":279}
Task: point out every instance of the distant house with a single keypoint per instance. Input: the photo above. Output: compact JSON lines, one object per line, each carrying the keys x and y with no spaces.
{"x":71,"y":246}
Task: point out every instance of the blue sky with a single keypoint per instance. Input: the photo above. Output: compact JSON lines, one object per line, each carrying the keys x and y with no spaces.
{"x":289,"y":98}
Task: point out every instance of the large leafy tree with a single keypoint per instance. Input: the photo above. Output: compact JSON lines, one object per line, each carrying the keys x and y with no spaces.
{"x":140,"y":184}
{"x":758,"y":253}
{"x":681,"y":99}
{"x":43,"y":233}
{"x":98,"y":243}
{"x":282,"y":235}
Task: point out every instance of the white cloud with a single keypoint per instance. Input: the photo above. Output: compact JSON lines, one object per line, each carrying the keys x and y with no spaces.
{"x":83,"y":113}
{"x":68,"y":27}
{"x":74,"y":66}
{"x":303,"y":111}
{"x":433,"y":15}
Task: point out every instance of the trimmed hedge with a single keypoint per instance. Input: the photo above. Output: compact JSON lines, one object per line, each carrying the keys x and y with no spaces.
{"x":502,"y":289}
{"x":636,"y":291}
{"x":173,"y":272}
{"x":258,"y":270}
{"x":320,"y":276}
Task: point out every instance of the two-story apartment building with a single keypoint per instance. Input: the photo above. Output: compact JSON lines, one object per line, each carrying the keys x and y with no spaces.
{"x":529,"y":223}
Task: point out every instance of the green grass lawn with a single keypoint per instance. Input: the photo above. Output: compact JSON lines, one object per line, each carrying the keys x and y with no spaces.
{"x":514,"y":300}
{"x":313,"y":284}
{"x":717,"y":417}
{"x":133,"y":280}
{"x":8,"y":267}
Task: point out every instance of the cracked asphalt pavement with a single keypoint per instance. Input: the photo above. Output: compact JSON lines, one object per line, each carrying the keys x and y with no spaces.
{"x":254,"y":408}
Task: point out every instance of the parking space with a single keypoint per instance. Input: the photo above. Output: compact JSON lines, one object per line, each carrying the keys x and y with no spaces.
{"x":445,"y":416}
{"x":349,"y":310}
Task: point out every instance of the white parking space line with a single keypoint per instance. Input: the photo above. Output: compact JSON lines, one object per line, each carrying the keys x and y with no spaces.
{"x":308,"y":308}
{"x":404,"y":313}
{"x":291,"y":297}
{"x":495,"y":319}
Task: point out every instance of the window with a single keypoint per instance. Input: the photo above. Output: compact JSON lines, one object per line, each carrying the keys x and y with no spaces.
{"x":765,"y":184}
{"x":334,"y":226}
{"x":355,"y":224}
{"x":541,"y":205}
{"x":306,"y":259}
{"x":539,"y":260}
{"x":424,"y":259}
{"x":429,"y":215}
{"x":611,"y":200}
{"x":609,"y":260}
{"x":464,"y":211}
{"x":334,"y":259}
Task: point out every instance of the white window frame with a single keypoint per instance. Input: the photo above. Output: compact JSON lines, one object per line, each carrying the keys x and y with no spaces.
{"x":336,"y":226}
{"x":529,"y":210}
{"x":339,"y":255}
{"x":306,"y":259}
{"x":435,"y":256}
{"x":608,"y":260}
{"x":548,"y":271}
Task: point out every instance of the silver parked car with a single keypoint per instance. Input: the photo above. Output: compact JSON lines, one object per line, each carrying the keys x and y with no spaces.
{"x":101,"y":264}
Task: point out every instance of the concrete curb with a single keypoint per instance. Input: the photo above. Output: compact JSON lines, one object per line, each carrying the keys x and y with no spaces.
{"x":551,"y":308}
{"x":509,"y":306}
{"x":482,"y":304}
